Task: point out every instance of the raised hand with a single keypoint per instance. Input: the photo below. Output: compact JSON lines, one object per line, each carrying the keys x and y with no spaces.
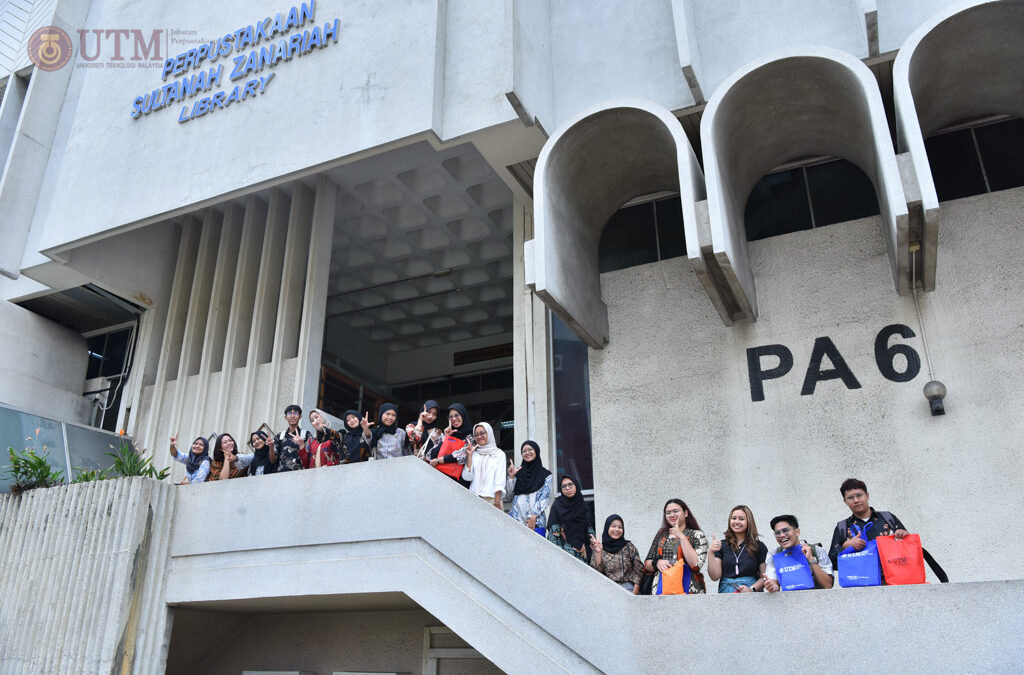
{"x":595,"y":545}
{"x":715,"y":546}
{"x":513,"y":470}
{"x":449,"y":430}
{"x":423,"y":414}
{"x":174,"y":441}
{"x":365,"y":422}
{"x":857,"y":542}
{"x":298,"y":438}
{"x":808,"y":552}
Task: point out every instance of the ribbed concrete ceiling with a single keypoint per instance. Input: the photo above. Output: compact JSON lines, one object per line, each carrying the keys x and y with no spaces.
{"x":422,"y":248}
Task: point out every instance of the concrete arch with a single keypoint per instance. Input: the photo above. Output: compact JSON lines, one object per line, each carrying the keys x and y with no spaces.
{"x":789,"y":104}
{"x":965,"y":62}
{"x":592,"y":165}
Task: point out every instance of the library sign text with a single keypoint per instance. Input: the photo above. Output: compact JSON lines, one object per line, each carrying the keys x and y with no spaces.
{"x":250,"y":69}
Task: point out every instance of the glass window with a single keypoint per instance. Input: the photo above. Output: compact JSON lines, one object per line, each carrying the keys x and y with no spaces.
{"x":955,"y":167}
{"x":501,"y":379}
{"x":95,"y":345}
{"x":778,"y":205}
{"x":465,"y":385}
{"x":671,"y":239}
{"x":573,"y":450}
{"x":840,"y":191}
{"x":115,"y":352}
{"x":1002,"y":152}
{"x":629,"y":239}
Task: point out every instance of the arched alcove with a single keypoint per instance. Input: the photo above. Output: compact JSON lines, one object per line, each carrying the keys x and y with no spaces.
{"x":595,"y":163}
{"x":964,"y":63}
{"x":785,"y":106}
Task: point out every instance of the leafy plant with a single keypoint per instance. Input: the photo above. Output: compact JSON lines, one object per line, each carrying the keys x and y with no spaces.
{"x":29,"y":470}
{"x":129,"y":461}
{"x":90,"y":475}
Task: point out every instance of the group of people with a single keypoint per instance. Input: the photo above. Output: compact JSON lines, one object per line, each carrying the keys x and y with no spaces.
{"x":740,"y":562}
{"x":468,"y":453}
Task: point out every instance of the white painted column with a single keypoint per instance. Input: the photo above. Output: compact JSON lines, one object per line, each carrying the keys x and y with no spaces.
{"x":314,"y":305}
{"x":173,"y":332}
{"x":531,"y":361}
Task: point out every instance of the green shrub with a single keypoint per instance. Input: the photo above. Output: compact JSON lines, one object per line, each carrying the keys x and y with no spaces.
{"x":90,"y":475}
{"x":128,"y":461}
{"x":29,"y":470}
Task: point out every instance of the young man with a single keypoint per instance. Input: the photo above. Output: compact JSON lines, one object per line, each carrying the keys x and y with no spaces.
{"x":787,"y":534}
{"x":291,"y":441}
{"x":855,"y":494}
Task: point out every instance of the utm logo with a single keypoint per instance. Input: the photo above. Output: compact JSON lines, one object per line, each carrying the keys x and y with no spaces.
{"x":49,"y":48}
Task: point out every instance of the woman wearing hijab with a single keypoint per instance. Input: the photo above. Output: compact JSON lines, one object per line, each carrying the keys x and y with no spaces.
{"x":355,"y":449}
{"x":485,"y":465}
{"x":386,"y":440}
{"x":530,"y":486}
{"x":262,"y":458}
{"x":322,"y":449}
{"x":569,"y":521}
{"x":197,"y":462}
{"x":425,"y":436}
{"x":616,"y":557}
{"x":451,"y":456}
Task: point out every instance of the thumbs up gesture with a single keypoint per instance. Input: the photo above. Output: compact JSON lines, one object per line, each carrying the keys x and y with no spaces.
{"x":715,"y":545}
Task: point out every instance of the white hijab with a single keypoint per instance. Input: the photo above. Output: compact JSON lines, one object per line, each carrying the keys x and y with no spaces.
{"x":488,"y":466}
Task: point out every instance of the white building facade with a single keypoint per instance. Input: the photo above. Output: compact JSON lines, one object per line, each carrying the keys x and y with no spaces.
{"x":694,"y":249}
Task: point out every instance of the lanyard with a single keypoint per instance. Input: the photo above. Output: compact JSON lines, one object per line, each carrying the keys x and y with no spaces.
{"x":736,"y":556}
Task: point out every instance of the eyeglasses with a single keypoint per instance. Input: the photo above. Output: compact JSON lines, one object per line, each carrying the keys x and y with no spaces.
{"x":568,"y":486}
{"x":784,"y":531}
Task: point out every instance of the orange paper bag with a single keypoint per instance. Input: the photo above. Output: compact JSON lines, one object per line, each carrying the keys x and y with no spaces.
{"x":902,"y":560}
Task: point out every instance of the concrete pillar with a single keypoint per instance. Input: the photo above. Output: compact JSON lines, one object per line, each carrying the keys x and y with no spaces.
{"x":531,"y":361}
{"x":314,"y":303}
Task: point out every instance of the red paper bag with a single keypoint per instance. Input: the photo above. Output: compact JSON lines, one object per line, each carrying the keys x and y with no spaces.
{"x":902,"y":560}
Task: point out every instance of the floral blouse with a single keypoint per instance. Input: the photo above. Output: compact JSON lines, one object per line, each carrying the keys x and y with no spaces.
{"x":622,"y":567}
{"x":532,"y":504}
{"x":390,"y":445}
{"x":200,"y":474}
{"x":667,"y":548}
{"x":425,"y":442}
{"x":556,"y":537}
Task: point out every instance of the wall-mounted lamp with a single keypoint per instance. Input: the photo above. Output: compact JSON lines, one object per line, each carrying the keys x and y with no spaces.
{"x":935,"y":391}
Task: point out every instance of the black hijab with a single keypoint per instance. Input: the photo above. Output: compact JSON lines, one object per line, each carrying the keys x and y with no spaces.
{"x":571,"y":514}
{"x":352,"y":438}
{"x":613,"y":545}
{"x":260,"y":457}
{"x":466,"y":428}
{"x":532,"y":475}
{"x":381,"y":428}
{"x":194,"y":461}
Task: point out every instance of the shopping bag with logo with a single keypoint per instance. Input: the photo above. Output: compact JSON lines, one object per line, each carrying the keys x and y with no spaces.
{"x":863,"y":567}
{"x":902,"y":560}
{"x":793,"y":570}
{"x":673,"y":581}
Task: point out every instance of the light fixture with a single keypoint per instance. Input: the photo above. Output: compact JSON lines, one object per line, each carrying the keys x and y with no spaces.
{"x":934,"y":391}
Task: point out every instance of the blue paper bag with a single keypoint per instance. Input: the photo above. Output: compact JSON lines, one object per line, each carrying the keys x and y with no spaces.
{"x":793,"y":570}
{"x":863,"y":567}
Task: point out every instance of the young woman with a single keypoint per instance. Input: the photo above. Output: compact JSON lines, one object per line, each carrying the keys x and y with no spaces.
{"x":425,"y":436}
{"x":569,"y":521}
{"x":355,"y":449}
{"x":225,"y":463}
{"x":323,"y":448}
{"x":740,"y":563}
{"x":530,"y":486}
{"x":616,"y":557}
{"x":680,"y":537}
{"x":451,"y":456}
{"x":197,"y":461}
{"x":386,"y":440}
{"x":485,"y":465}
{"x":263,"y":457}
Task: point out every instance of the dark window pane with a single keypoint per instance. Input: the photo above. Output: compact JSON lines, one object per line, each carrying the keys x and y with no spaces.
{"x":628,"y":239}
{"x":671,"y":240}
{"x":571,"y":381}
{"x":117,"y":349}
{"x":436,"y":390}
{"x":777,"y":205}
{"x":95,"y":346}
{"x":955,"y":167}
{"x":465,"y":385}
{"x":407,"y":394}
{"x":499,"y":380}
{"x":1002,"y":151}
{"x":840,"y":192}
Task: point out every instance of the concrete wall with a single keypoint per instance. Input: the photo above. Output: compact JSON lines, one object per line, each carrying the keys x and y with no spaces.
{"x":671,"y":404}
{"x":81,"y":577}
{"x":44,"y":365}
